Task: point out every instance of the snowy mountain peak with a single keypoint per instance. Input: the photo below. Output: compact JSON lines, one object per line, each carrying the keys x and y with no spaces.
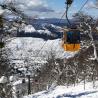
{"x":29,"y":28}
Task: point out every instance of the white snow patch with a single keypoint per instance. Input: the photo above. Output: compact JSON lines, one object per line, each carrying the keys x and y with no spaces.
{"x":44,"y":32}
{"x":13,"y":78}
{"x":3,"y":79}
{"x":1,"y":11}
{"x":57,"y":27}
{"x":29,"y":28}
{"x":70,"y":92}
{"x":68,"y":54}
{"x":36,"y":50}
{"x":17,"y":82}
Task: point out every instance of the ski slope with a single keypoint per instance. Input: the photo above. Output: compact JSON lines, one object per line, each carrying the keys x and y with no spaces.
{"x":69,"y":92}
{"x":31,"y":48}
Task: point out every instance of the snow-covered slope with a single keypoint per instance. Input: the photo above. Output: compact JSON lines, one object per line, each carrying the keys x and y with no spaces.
{"x":44,"y":31}
{"x":29,"y":48}
{"x":29,"y":28}
{"x":70,"y":92}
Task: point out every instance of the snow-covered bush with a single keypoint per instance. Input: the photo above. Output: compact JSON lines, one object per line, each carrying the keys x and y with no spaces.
{"x":3,"y":80}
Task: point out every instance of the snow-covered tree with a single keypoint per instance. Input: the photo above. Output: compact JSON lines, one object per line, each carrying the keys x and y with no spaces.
{"x":88,"y":28}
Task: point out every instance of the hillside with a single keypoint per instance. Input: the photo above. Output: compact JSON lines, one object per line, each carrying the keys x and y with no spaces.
{"x":22,"y":48}
{"x":48,"y":49}
{"x":68,"y":92}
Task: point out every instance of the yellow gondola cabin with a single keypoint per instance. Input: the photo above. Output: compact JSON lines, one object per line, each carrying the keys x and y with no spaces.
{"x":71,"y":40}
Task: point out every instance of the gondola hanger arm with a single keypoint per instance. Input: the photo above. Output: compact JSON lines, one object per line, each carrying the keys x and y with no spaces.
{"x":69,"y":2}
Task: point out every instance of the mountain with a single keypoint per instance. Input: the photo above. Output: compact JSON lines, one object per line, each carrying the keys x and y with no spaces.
{"x":47,"y":31}
{"x":55,"y":21}
{"x":37,"y":52}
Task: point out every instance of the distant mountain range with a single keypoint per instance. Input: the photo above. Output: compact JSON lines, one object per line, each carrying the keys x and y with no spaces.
{"x":44,"y":26}
{"x":55,"y":21}
{"x":45,"y":31}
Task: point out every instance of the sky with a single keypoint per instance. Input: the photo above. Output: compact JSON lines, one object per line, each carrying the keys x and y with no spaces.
{"x":54,"y":8}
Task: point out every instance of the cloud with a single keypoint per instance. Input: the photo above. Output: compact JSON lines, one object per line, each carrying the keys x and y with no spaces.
{"x":36,"y":7}
{"x":41,"y":9}
{"x":33,"y":5}
{"x":91,"y":4}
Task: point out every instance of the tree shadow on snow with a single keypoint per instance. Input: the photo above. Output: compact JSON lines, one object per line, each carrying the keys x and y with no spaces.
{"x":76,"y":95}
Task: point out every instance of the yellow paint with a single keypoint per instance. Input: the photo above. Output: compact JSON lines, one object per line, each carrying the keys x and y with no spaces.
{"x":71,"y":47}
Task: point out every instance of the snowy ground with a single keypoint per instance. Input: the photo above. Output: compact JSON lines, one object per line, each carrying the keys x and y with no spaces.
{"x":70,"y":92}
{"x":28,"y":48}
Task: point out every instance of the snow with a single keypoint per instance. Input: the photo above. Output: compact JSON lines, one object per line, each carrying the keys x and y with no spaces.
{"x":28,"y":48}
{"x":57,"y":27}
{"x":3,"y":79}
{"x":18,"y":87}
{"x":70,"y":54}
{"x":17,"y":82}
{"x":96,"y":28}
{"x":69,"y":92}
{"x":29,"y":28}
{"x":44,"y":32}
{"x":13,"y":78}
{"x":1,"y":11}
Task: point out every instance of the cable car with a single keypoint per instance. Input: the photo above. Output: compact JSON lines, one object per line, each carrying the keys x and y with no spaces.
{"x":71,"y":40}
{"x":71,"y":37}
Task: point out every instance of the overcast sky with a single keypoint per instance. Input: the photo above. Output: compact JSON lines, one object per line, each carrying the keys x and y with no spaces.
{"x":54,"y":8}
